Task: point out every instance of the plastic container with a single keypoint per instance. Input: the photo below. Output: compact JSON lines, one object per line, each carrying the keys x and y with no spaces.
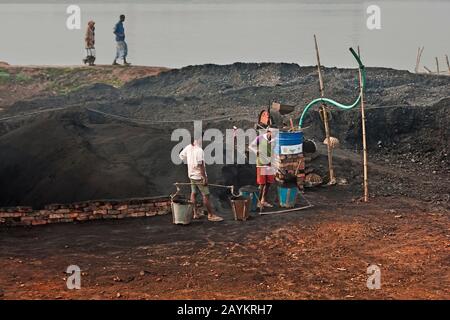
{"x":251,"y":193}
{"x":241,"y":208}
{"x":288,"y":143}
{"x":287,"y":196}
{"x":182,"y":211}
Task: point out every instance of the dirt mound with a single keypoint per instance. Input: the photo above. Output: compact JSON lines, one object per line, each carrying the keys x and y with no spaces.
{"x":55,"y":161}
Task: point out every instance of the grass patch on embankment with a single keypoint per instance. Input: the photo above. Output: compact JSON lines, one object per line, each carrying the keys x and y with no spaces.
{"x":19,"y":78}
{"x":5,"y":76}
{"x":67,"y":80}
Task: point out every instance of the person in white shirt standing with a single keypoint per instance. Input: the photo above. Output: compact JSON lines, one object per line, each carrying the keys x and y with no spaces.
{"x":194,"y":156}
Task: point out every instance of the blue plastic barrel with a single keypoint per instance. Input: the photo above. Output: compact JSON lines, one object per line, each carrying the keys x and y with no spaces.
{"x":286,"y":139}
{"x":287,"y":196}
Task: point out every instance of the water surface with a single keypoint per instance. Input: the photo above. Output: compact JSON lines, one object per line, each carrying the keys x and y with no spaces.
{"x":178,"y":33}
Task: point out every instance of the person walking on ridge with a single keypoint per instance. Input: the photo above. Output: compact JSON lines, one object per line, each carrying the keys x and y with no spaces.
{"x":122,"y":47}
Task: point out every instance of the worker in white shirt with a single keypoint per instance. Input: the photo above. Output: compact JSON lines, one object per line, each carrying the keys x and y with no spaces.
{"x":194,"y":156}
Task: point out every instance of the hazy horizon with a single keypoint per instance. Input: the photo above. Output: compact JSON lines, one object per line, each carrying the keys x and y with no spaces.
{"x":178,"y":33}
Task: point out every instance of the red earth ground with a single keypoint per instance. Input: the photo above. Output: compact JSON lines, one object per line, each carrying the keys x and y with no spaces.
{"x":318,"y":253}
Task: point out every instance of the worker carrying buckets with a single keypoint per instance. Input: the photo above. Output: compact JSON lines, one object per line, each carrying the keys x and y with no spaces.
{"x":184,"y":210}
{"x":194,"y":156}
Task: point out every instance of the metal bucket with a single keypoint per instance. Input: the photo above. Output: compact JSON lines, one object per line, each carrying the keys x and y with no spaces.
{"x":283,"y":109}
{"x":182,"y":211}
{"x":251,"y":193}
{"x":241,"y":208}
{"x":287,"y":196}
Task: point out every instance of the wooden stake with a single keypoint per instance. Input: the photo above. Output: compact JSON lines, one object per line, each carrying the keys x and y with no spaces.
{"x":363,"y":124}
{"x":429,"y":71}
{"x":416,"y":69}
{"x":325,"y":117}
{"x":437,"y":65}
{"x":448,"y":63}
{"x":419,"y":56}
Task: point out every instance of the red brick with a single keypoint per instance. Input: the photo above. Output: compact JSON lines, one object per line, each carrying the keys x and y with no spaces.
{"x":138,"y":214}
{"x":161,"y":204}
{"x":62,"y":211}
{"x":82,"y":217}
{"x":100,"y":211}
{"x":39,"y":222}
{"x":56,"y":216}
{"x":11,"y":214}
{"x":71,"y":215}
{"x":107,"y":206}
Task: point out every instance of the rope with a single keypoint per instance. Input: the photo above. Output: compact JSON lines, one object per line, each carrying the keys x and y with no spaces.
{"x":145,"y":121}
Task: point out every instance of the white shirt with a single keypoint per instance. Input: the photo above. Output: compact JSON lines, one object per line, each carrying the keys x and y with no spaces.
{"x":194,"y":156}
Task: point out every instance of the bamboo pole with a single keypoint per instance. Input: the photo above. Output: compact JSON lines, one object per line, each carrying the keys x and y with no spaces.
{"x":437,"y":65}
{"x":416,"y":69}
{"x":363,"y":124}
{"x":448,"y":63}
{"x":325,"y":117}
{"x":419,"y":56}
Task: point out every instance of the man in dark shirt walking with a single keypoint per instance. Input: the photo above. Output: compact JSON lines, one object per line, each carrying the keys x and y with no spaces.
{"x":122,"y":48}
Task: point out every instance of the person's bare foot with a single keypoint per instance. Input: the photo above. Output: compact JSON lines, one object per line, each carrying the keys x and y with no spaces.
{"x":214,"y":218}
{"x":199,"y":215}
{"x":266,"y":204}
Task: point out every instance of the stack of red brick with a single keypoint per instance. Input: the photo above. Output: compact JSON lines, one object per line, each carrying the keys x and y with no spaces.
{"x":290,"y":166}
{"x":83,"y":211}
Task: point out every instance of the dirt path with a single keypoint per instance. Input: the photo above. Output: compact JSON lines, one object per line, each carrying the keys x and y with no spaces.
{"x":320,"y":253}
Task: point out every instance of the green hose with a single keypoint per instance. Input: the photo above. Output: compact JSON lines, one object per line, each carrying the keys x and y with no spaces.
{"x":334,"y":103}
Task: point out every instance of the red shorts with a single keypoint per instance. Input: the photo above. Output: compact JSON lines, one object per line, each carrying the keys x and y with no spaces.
{"x":264,"y":175}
